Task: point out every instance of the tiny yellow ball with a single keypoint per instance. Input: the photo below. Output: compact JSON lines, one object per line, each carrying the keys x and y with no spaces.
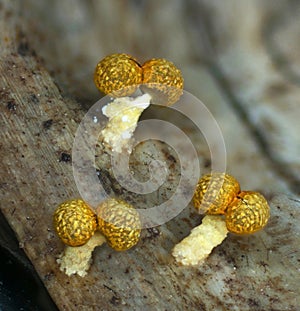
{"x":120,"y":223}
{"x":74,"y":222}
{"x":214,"y":192}
{"x":247,"y":213}
{"x":118,"y":75}
{"x":163,"y":80}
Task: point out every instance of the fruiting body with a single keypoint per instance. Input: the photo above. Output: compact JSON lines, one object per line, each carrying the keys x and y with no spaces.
{"x":219,"y":193}
{"x":118,"y":75}
{"x":77,"y":225}
{"x":214,"y":192}
{"x":163,"y":80}
{"x":75,"y":222}
{"x":119,"y":222}
{"x":247,"y":213}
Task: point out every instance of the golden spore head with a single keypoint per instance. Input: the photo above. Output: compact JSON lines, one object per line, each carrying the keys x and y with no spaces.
{"x":247,"y":213}
{"x":120,"y":223}
{"x":118,"y":75}
{"x":163,"y":81}
{"x":74,"y":222}
{"x":214,"y":192}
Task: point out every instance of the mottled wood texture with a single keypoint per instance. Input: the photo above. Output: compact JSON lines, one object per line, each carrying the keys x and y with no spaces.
{"x":241,"y":59}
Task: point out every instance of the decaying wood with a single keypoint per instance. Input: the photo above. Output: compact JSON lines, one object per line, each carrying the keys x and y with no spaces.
{"x":38,"y":124}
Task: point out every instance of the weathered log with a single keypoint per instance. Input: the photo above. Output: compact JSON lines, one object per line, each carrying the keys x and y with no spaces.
{"x":38,"y":124}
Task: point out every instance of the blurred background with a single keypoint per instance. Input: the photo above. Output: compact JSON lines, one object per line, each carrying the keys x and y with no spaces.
{"x":72,"y":36}
{"x":241,"y":58}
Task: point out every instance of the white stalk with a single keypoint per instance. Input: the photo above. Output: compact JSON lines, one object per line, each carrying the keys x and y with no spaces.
{"x":199,"y":244}
{"x":123,"y":114}
{"x":77,"y":260}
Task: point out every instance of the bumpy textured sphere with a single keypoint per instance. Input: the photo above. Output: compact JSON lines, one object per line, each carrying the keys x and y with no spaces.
{"x":164,"y":81}
{"x":247,"y":213}
{"x":214,"y":192}
{"x":119,"y":222}
{"x":74,"y":222}
{"x":118,"y":75}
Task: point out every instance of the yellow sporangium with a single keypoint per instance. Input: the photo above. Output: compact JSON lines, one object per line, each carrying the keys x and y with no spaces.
{"x":247,"y":213}
{"x":118,"y":74}
{"x":120,"y":223}
{"x":163,"y":81}
{"x":214,"y":192}
{"x":74,"y":222}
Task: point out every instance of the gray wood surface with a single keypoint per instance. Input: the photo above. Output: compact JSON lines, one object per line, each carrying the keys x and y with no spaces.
{"x":235,"y":58}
